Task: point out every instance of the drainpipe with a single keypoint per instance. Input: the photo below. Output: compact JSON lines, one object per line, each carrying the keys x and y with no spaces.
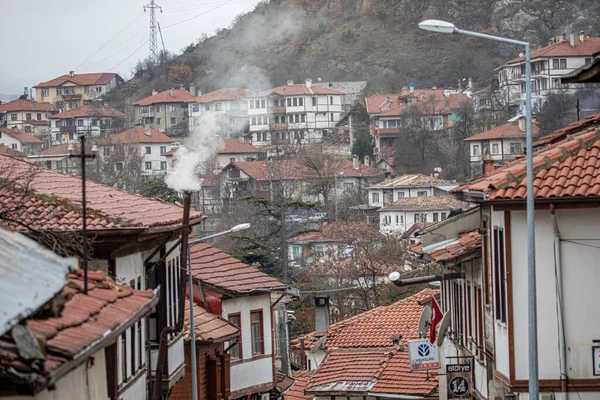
{"x":164,"y":335}
{"x":273,"y":356}
{"x":559,"y":302}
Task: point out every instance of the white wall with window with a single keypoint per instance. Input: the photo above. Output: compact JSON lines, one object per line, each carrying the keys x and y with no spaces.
{"x":396,"y":222}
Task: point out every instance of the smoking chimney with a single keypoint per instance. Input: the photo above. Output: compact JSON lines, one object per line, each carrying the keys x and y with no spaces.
{"x":582,"y":36}
{"x":154,"y":92}
{"x":321,"y":314}
{"x":308,"y":83}
{"x":71,"y":73}
{"x":355,"y":161}
{"x":290,"y":82}
{"x":572,"y":39}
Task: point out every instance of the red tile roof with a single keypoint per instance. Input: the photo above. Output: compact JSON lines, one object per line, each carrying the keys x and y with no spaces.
{"x":80,"y":79}
{"x":395,"y":104}
{"x":84,"y":321}
{"x":217,"y":268}
{"x":296,"y":392}
{"x":26,"y":105}
{"x":208,"y":327}
{"x":179,"y":96}
{"x":589,"y":47}
{"x":588,"y":123}
{"x":293,"y":169}
{"x":61,"y":149}
{"x":444,"y":202}
{"x":568,"y":169}
{"x":120,"y":207}
{"x":283,"y":382}
{"x":508,"y":130}
{"x":138,"y":134}
{"x":310,"y":340}
{"x":7,"y":151}
{"x":373,"y":328}
{"x":20,"y":135}
{"x":467,"y":243}
{"x":224,"y":94}
{"x":295,"y":90}
{"x":233,"y":146}
{"x":338,"y":232}
{"x":412,"y":180}
{"x":88,"y":110}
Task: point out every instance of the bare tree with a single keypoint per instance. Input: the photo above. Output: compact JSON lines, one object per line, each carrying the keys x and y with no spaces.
{"x":322,"y":171}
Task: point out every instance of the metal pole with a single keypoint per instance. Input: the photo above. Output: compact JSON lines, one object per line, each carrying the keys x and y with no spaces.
{"x":531,"y":279}
{"x":192,"y":327}
{"x":84,"y":213}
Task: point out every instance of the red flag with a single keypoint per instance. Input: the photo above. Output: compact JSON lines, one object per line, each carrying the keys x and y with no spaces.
{"x":436,"y":317}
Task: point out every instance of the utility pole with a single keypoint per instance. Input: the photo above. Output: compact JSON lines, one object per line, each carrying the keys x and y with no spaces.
{"x":153,"y":55}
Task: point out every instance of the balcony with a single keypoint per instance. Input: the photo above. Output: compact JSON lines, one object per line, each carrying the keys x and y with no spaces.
{"x":278,"y":126}
{"x":68,"y":129}
{"x":68,"y":97}
{"x":277,"y":110}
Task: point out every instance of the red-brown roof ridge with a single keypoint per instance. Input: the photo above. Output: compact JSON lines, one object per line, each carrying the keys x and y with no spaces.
{"x":179,"y":96}
{"x":26,"y":105}
{"x":137,"y":134}
{"x":90,"y":110}
{"x":20,"y":135}
{"x":507,"y":130}
{"x":223,"y":94}
{"x":100,"y":78}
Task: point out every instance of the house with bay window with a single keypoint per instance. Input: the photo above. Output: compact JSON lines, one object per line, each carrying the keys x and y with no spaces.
{"x":246,"y":298}
{"x":136,"y":241}
{"x":293,"y":114}
{"x":500,"y":145}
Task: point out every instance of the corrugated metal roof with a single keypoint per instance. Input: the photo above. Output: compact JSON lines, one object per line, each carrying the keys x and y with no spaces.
{"x":30,"y":276}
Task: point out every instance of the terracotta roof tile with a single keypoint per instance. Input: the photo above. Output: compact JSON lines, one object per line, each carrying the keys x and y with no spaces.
{"x":395,"y":104}
{"x":20,"y":135}
{"x":26,"y":105}
{"x":208,"y":327}
{"x":310,"y":340}
{"x":61,"y":149}
{"x":217,"y":268}
{"x":233,"y":146}
{"x":467,"y":243}
{"x":588,"y":122}
{"x":338,"y":232}
{"x":508,"y":130}
{"x":223,"y":94}
{"x":412,"y":180}
{"x":103,"y":201}
{"x":425,"y":203}
{"x":90,"y":111}
{"x":138,"y":134}
{"x":294,"y":90}
{"x":567,"y":170}
{"x":296,"y":392}
{"x":179,"y":96}
{"x":589,"y":47}
{"x":84,"y":320}
{"x":283,"y":382}
{"x":101,"y":78}
{"x":7,"y":151}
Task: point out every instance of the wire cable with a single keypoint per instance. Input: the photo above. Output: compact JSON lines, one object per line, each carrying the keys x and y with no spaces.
{"x":126,"y":58}
{"x":110,"y":39}
{"x":126,"y":44}
{"x":199,"y":15}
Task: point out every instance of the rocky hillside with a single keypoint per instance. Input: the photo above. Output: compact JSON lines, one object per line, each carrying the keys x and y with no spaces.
{"x":374,"y":40}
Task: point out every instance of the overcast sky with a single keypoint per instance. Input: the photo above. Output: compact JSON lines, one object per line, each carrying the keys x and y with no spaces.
{"x":43,"y":39}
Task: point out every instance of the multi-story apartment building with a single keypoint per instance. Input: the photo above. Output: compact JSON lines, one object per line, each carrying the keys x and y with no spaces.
{"x":152,"y":144}
{"x":407,"y":185}
{"x":295,"y":113}
{"x":501,"y":144}
{"x":166,"y":111}
{"x":75,"y":90}
{"x":548,"y":65}
{"x":27,"y":115}
{"x":222,"y":112}
{"x":438,"y":109}
{"x":93,"y":120}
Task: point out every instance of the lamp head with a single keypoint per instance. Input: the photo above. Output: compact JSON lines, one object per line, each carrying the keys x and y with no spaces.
{"x":394,"y":276}
{"x":435,"y":25}
{"x":240,"y":227}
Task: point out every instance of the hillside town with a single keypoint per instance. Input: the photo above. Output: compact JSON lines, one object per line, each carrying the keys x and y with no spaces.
{"x":311,"y":240}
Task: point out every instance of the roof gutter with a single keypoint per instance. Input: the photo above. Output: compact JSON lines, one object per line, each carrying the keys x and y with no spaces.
{"x":430,"y":278}
{"x":396,"y":396}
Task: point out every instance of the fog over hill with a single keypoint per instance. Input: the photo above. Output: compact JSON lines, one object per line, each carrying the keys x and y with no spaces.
{"x":374,"y":40}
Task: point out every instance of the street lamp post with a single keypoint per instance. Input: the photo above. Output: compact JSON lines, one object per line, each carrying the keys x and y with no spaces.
{"x":447,"y":27}
{"x":236,"y":228}
{"x":83,"y":158}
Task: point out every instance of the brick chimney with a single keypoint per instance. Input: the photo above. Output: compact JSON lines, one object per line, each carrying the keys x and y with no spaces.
{"x":321,"y":314}
{"x":290,"y":82}
{"x":488,"y":167}
{"x":182,"y":87}
{"x":71,"y":73}
{"x":308,"y":83}
{"x":154,"y":92}
{"x":572,"y":39}
{"x":355,"y":161}
{"x":581,"y":36}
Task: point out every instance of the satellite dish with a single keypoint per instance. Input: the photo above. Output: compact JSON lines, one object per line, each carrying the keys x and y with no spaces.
{"x":424,"y":320}
{"x":444,"y":325}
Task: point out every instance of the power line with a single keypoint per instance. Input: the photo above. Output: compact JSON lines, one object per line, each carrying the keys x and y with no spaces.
{"x":109,"y":40}
{"x":196,"y":7}
{"x":125,"y":45}
{"x":199,"y":15}
{"x":153,"y":53}
{"x":126,"y":58}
